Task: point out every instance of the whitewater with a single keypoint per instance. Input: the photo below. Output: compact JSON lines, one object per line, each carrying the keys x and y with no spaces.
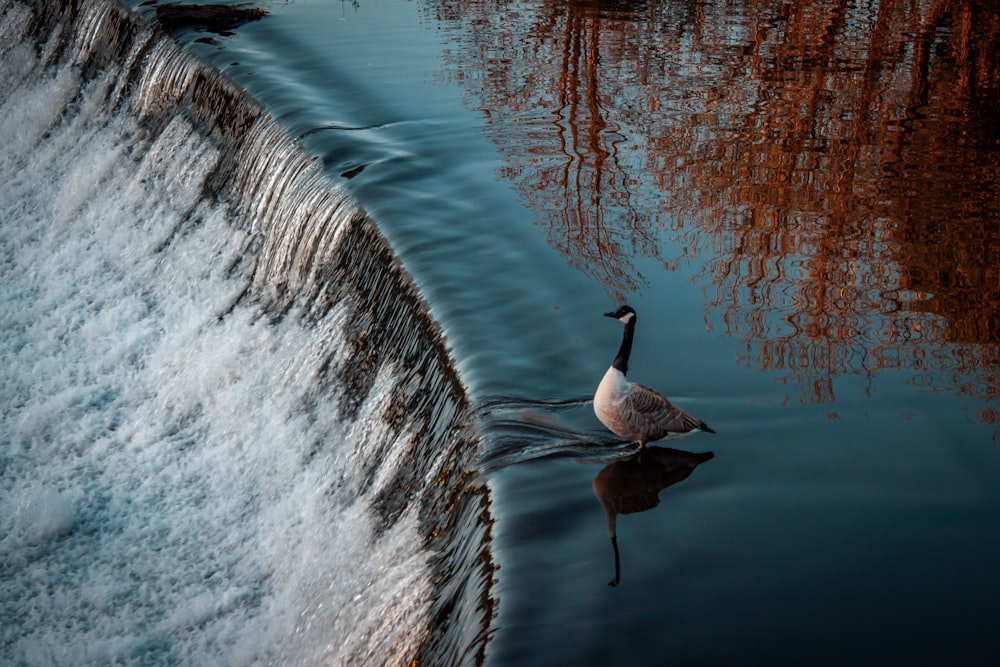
{"x":231,"y":432}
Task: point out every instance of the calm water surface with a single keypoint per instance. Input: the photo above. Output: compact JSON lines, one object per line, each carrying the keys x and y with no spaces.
{"x":801,"y":201}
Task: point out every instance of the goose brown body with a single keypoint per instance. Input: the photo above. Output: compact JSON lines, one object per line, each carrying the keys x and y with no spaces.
{"x":634,"y":411}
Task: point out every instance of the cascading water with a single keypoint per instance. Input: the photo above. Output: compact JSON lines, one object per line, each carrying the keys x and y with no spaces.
{"x":231,"y":432}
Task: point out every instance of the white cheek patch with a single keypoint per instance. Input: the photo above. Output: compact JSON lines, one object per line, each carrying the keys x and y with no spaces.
{"x":627,"y":317}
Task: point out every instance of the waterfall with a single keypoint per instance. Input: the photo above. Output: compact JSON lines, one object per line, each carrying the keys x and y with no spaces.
{"x":232,"y":431}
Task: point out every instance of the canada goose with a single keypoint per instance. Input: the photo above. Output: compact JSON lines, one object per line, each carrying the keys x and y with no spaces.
{"x":631,"y":410}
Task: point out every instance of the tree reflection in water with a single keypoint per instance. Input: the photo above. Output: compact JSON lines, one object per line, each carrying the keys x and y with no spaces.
{"x":830,"y":166}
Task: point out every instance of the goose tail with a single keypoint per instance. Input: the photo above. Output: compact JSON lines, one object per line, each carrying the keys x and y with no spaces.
{"x":705,"y":427}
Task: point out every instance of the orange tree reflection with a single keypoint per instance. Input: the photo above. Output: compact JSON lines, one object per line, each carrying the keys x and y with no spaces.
{"x":833,"y":163}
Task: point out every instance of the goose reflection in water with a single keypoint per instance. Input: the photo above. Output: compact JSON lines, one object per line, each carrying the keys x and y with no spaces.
{"x":633,"y":485}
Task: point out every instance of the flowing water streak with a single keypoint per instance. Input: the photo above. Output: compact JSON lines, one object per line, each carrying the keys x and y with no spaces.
{"x":231,"y":432}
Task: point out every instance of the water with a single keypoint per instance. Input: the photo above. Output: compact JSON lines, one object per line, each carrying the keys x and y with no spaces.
{"x":231,"y":433}
{"x":208,"y":457}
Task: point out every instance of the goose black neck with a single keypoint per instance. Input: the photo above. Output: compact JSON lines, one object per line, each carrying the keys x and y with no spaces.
{"x":621,"y":360}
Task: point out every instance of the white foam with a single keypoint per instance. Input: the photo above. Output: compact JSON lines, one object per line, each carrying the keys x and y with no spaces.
{"x":34,"y":514}
{"x":175,"y":488}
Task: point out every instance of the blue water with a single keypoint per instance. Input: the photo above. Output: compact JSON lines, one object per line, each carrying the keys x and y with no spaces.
{"x":850,"y":513}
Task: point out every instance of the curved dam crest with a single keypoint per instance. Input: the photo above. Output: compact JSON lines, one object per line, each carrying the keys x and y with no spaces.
{"x":234,"y":432}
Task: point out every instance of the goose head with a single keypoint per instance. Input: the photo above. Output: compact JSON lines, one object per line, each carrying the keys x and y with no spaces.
{"x":624,"y":314}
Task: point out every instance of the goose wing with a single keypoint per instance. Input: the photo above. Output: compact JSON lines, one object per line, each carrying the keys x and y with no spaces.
{"x":655,"y":414}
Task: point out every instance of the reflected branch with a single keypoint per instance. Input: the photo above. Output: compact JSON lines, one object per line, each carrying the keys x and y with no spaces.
{"x":836,"y":165}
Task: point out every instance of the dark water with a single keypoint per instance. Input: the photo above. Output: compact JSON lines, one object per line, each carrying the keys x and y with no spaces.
{"x":801,"y":201}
